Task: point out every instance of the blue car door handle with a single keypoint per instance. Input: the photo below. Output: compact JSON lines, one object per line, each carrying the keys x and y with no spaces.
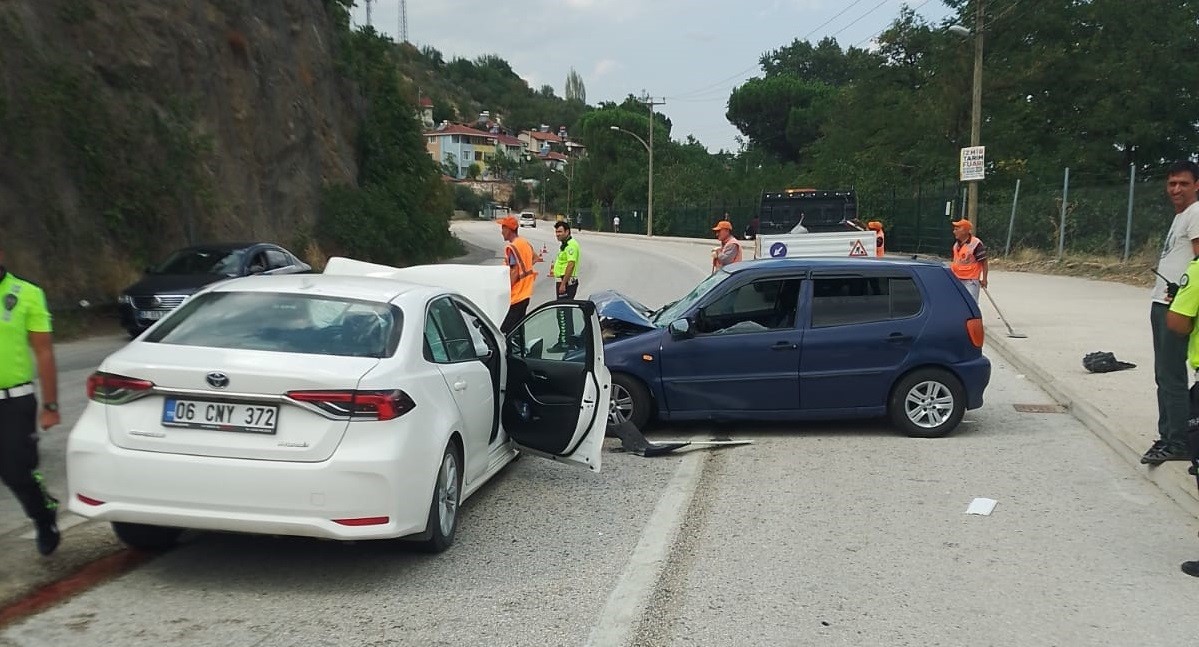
{"x":783,"y":345}
{"x":898,"y":337}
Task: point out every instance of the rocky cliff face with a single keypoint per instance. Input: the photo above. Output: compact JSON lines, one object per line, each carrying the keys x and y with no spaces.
{"x":129,"y":128}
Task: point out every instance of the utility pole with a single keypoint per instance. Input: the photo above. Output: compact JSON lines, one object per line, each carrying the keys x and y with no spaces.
{"x":368,"y":12}
{"x":649,"y":221}
{"x":403,"y":21}
{"x":976,"y":108}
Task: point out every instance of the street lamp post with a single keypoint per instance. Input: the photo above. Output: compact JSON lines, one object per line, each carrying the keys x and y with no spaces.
{"x":649,"y":148}
{"x":976,"y":103}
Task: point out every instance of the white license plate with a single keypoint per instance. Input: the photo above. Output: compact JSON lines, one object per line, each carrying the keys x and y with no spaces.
{"x":220,"y":416}
{"x":152,"y":315}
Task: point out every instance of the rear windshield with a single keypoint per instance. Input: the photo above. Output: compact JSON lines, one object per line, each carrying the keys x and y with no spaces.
{"x":286,"y":323}
{"x":202,"y":261}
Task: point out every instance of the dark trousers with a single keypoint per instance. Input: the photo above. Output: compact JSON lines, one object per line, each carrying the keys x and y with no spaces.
{"x":1170,"y":372}
{"x":516,"y":312}
{"x":566,"y":324}
{"x":18,"y":457}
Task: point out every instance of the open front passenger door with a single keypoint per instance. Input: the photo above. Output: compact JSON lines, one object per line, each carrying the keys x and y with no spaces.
{"x":557,"y":386}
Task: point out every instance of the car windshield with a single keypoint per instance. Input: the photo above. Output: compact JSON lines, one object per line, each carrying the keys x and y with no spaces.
{"x":286,"y":323}
{"x":673,"y":311}
{"x":202,"y":261}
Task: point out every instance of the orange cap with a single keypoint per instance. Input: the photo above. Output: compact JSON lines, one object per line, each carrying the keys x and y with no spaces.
{"x":509,"y":222}
{"x":875,"y":225}
{"x":964,"y":224}
{"x":723,"y":224}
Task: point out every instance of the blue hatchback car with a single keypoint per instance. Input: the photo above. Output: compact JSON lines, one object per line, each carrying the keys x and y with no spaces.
{"x":802,"y":339}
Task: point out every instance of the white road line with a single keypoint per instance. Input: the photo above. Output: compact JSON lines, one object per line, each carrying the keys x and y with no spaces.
{"x":630,"y":597}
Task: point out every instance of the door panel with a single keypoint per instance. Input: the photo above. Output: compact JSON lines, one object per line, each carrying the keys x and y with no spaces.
{"x":745,"y":353}
{"x":450,"y":345}
{"x":862,"y":331}
{"x":557,"y":387}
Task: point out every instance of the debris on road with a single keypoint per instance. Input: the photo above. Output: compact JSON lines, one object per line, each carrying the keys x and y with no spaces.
{"x":981,"y":506}
{"x":633,"y":441}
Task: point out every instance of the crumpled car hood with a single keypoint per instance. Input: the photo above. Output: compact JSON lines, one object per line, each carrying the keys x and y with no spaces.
{"x":611,"y":304}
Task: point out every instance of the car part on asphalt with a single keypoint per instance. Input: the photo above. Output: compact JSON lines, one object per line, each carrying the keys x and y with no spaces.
{"x":1104,"y":362}
{"x":1010,"y":333}
{"x":634,"y":442}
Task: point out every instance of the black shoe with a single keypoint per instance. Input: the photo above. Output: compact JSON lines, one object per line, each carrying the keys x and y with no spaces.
{"x":48,"y":537}
{"x":1191,"y":568}
{"x":1151,"y":457}
{"x":1175,"y":453}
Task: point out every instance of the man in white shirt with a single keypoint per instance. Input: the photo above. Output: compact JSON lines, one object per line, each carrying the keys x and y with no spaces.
{"x":1169,"y":348}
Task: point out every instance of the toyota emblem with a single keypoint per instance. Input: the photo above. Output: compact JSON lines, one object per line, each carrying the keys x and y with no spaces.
{"x":217,"y":380}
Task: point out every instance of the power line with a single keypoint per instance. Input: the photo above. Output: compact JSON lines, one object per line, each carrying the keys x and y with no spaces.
{"x":877,"y":33}
{"x":823,"y":24}
{"x":876,"y":8}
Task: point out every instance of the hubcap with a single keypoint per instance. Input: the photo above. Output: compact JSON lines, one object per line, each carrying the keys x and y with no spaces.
{"x":929,"y":404}
{"x":620,"y":405}
{"x":447,"y":493}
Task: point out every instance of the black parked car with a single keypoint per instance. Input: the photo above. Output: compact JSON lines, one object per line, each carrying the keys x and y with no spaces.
{"x":165,"y":286}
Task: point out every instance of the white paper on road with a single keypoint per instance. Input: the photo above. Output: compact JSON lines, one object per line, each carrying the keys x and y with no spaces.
{"x":981,"y":506}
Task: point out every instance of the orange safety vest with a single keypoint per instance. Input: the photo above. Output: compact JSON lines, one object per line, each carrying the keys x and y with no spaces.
{"x":736,"y":258}
{"x":525,"y":275}
{"x":965,"y":266}
{"x":879,"y":240}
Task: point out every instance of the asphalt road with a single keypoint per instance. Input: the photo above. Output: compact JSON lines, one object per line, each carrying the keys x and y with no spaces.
{"x":844,"y":534}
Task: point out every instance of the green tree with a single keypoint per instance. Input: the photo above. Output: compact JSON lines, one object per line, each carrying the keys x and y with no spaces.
{"x":575,"y":91}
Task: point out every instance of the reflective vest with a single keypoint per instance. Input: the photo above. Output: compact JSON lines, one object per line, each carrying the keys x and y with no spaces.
{"x":879,"y":242}
{"x":524,"y":275}
{"x":736,"y":257}
{"x":965,"y":266}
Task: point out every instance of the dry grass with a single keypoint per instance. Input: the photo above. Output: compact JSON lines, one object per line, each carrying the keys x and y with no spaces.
{"x":1136,"y":271}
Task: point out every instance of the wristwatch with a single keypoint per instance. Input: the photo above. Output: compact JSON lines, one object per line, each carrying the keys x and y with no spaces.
{"x":50,"y":406}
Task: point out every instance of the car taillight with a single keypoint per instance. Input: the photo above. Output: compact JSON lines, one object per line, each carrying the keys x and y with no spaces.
{"x":974,"y":327}
{"x":107,"y":388}
{"x":368,"y":405}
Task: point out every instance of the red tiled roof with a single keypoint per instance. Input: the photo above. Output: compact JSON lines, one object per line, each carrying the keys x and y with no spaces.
{"x":426,"y":102}
{"x":554,"y":156}
{"x":549,"y":137}
{"x":509,"y":140}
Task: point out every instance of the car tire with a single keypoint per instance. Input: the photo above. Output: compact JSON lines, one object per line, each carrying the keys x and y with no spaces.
{"x":145,"y":537}
{"x":630,"y":400}
{"x":927,"y":403}
{"x":443,"y":508}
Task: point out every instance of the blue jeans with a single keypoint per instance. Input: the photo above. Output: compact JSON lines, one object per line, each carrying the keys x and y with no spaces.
{"x":1170,"y":373}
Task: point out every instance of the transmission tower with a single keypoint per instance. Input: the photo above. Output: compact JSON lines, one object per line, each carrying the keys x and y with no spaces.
{"x":403,"y":21}
{"x":368,"y":12}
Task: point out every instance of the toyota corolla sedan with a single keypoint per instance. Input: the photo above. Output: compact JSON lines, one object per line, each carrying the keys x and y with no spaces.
{"x":363,"y":403}
{"x":802,"y":339}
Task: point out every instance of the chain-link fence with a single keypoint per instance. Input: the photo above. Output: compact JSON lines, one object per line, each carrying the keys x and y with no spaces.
{"x":1102,"y":217}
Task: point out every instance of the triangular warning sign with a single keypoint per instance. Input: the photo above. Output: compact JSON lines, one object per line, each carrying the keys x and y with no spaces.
{"x":856,"y":249}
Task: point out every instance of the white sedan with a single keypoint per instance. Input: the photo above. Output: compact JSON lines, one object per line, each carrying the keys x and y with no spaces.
{"x":363,"y":403}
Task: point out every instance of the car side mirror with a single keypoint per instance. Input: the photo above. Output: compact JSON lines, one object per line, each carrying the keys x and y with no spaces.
{"x":680,"y":329}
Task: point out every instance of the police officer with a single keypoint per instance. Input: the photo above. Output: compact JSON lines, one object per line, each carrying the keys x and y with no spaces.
{"x":565,"y":273}
{"x":25,"y":324}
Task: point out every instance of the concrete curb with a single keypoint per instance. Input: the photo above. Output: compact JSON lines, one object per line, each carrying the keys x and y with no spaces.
{"x":1170,"y":477}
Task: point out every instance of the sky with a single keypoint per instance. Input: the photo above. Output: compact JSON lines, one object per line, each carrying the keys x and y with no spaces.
{"x":690,"y":54}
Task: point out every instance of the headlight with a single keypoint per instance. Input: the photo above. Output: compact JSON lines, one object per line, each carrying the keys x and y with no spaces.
{"x":125,"y":299}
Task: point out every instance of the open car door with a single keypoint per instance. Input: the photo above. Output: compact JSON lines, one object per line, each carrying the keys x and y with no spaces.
{"x":557,"y":386}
